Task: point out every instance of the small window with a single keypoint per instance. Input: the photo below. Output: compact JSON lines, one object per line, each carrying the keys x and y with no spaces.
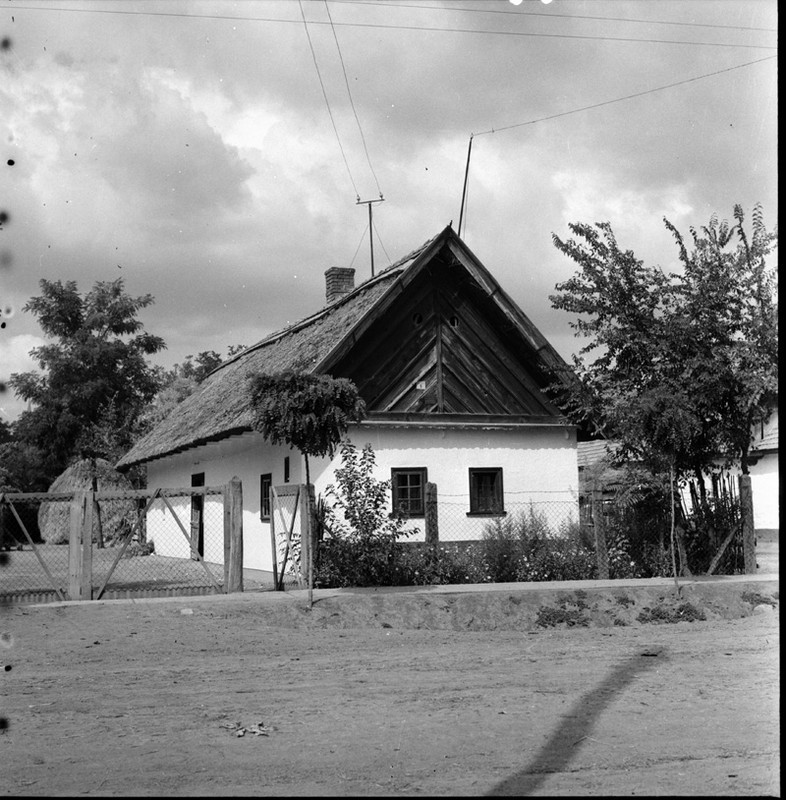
{"x":408,"y":488}
{"x":485,"y":491}
{"x":286,"y":469}
{"x":265,"y":482}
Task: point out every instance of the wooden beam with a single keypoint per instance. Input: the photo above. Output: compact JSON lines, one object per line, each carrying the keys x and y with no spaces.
{"x":233,"y":536}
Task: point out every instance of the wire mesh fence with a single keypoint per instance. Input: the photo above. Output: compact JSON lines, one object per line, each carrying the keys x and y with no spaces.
{"x":35,"y":566}
{"x":144,"y":543}
{"x":549,"y":516}
{"x":535,"y":537}
{"x":171,"y":541}
{"x":546,"y":536}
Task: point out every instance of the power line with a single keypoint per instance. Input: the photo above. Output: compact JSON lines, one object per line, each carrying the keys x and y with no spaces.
{"x":398,"y":27}
{"x":464,"y":191}
{"x":327,"y":102}
{"x":626,"y":97}
{"x":351,"y":102}
{"x":382,"y":244}
{"x":357,"y":249}
{"x":522,"y":14}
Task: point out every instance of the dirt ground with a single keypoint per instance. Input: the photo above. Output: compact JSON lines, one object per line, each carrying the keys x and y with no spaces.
{"x":549,"y":691}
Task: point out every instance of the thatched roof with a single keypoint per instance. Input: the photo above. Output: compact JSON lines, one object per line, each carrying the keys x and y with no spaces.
{"x":221,"y":406}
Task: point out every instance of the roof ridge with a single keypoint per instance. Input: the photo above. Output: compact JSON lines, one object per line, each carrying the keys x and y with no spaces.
{"x":384,"y":274}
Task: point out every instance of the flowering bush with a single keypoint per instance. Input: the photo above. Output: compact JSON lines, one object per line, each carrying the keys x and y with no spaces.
{"x":524,"y":548}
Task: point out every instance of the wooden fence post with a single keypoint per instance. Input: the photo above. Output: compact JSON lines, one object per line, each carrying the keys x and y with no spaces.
{"x":599,"y":528}
{"x":80,"y":547}
{"x":307,"y":530}
{"x":748,"y":530}
{"x":233,"y":536}
{"x":432,"y":514}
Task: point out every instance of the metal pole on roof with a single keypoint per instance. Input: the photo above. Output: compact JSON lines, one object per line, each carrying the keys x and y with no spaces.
{"x":370,"y":226}
{"x":464,"y":190}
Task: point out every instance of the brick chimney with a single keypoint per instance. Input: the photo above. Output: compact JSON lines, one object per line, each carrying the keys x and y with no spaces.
{"x":338,"y":282}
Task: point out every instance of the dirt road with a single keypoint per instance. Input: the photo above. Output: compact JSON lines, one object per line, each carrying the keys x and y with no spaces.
{"x":148,"y":699}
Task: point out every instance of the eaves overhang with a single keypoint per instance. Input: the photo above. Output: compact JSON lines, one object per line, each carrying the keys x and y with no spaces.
{"x":406,"y":419}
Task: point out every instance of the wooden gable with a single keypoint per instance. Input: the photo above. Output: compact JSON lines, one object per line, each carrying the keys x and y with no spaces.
{"x":448,"y":341}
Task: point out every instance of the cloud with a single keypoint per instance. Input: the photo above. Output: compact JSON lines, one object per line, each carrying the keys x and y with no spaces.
{"x":196,"y":157}
{"x":14,"y":358}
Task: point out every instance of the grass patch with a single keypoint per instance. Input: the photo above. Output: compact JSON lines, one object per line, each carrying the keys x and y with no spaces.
{"x":756,"y":599}
{"x":665,"y":614}
{"x":624,"y":600}
{"x":549,"y":617}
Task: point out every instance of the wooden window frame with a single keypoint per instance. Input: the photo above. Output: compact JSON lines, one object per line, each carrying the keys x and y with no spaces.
{"x":265,"y":484}
{"x":395,"y":474}
{"x":475,"y":509}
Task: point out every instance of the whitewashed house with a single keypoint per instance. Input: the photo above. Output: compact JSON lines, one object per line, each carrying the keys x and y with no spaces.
{"x":765,"y":479}
{"x":454,"y":377}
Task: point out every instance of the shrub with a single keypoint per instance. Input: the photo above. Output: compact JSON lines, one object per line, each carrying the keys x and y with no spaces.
{"x":706,"y":527}
{"x":523,"y":548}
{"x":666,"y":614}
{"x":359,"y":537}
{"x":426,"y":565}
{"x":549,"y":617}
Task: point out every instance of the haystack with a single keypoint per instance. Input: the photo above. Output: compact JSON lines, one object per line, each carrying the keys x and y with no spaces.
{"x":115,"y":515}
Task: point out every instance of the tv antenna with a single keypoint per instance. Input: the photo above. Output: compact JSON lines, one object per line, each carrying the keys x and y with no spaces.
{"x":369,"y":203}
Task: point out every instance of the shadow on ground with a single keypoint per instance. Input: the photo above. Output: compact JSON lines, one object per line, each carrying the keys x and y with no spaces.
{"x":577,"y":724}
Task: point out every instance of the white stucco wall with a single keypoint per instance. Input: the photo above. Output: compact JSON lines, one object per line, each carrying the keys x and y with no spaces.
{"x":247,"y":457}
{"x":539,"y":470}
{"x":539,"y":466}
{"x":765,"y":485}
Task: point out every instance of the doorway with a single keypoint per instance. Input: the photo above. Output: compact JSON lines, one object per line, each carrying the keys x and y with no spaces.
{"x":197,"y":518}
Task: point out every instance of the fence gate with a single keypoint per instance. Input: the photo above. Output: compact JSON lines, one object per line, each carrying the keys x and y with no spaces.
{"x":289,"y":509}
{"x":94,"y":545}
{"x":34,"y":570}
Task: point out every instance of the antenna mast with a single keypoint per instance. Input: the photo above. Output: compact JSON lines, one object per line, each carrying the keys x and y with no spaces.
{"x":370,"y":225}
{"x":464,"y":189}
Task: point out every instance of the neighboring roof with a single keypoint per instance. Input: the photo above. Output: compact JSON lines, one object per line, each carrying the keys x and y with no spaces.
{"x":221,"y":406}
{"x":590,"y":453}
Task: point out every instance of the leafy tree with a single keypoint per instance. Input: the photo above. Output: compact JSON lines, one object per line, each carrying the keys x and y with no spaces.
{"x":94,"y":369}
{"x":728,"y":297}
{"x":308,"y":412}
{"x":684,"y":363}
{"x":6,"y":433}
{"x":177,"y":383}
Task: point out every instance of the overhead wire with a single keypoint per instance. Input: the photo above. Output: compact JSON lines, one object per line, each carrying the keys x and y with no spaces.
{"x":327,"y":102}
{"x":382,"y":244}
{"x":351,"y":101}
{"x":530,"y":34}
{"x":357,"y":249}
{"x":465,"y":192}
{"x":626,"y":97}
{"x":523,"y":14}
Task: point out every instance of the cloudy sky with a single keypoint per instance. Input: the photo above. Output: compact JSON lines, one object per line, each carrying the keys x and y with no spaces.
{"x":187,"y":145}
